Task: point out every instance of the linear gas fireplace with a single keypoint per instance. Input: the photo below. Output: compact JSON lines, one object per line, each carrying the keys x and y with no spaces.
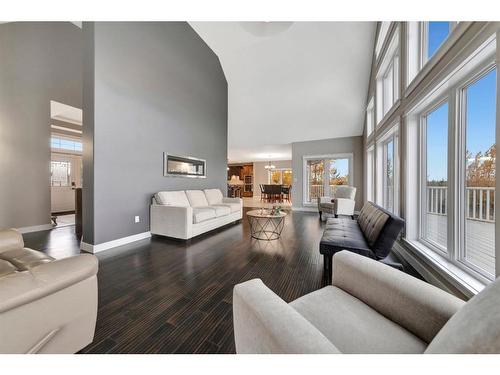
{"x":183,"y":166}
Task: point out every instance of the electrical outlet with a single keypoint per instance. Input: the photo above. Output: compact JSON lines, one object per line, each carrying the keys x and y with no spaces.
{"x":137,"y":219}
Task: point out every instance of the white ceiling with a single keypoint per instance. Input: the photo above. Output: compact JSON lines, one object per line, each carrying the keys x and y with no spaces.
{"x":291,"y":81}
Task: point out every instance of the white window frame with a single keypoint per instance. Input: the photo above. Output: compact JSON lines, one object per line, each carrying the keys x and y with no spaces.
{"x":370,"y":174}
{"x":388,"y":70}
{"x":305,"y":185}
{"x":471,"y":69}
{"x":423,"y":175}
{"x":461,"y":124}
{"x":370,"y":117}
{"x":381,"y":37}
{"x":392,"y":134}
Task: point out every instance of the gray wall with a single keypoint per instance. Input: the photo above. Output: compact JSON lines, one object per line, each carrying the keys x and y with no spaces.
{"x":157,"y":87}
{"x":39,"y":62}
{"x":352,"y":145}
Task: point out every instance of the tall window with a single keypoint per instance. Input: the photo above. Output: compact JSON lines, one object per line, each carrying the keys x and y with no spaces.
{"x":322,"y":174}
{"x":388,"y":170}
{"x":435,"y":177}
{"x":370,"y":175}
{"x":389,"y":175}
{"x":370,"y":118}
{"x":480,"y":173}
{"x":388,"y":79}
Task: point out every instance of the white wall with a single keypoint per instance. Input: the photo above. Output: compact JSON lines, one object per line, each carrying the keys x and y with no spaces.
{"x":260,"y":173}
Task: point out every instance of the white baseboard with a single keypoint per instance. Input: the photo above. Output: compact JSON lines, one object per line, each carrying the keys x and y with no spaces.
{"x":35,"y":228}
{"x":112,"y":244}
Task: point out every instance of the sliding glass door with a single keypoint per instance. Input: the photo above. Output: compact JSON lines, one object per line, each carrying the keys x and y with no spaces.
{"x":322,"y":174}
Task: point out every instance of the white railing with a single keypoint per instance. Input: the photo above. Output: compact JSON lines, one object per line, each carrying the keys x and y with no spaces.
{"x":316,"y":191}
{"x":479,"y":202}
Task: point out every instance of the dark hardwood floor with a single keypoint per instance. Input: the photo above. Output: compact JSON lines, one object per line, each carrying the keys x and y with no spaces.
{"x":165,"y":296}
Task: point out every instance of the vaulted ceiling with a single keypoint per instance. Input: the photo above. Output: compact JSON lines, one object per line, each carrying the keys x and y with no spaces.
{"x":291,"y":81}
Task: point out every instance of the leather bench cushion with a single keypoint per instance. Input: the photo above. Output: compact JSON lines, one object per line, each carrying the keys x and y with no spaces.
{"x":25,"y":259}
{"x":353,"y":326}
{"x":343,"y":234}
{"x":201,"y":214}
{"x":371,"y":221}
{"x":221,"y":210}
{"x":6,"y":268}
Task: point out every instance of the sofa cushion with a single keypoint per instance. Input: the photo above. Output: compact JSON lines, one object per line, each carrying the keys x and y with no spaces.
{"x":25,"y":259}
{"x":234,"y":207}
{"x":354,"y":327}
{"x":220,"y":210}
{"x":172,"y":198}
{"x":475,"y":328}
{"x":214,"y":196}
{"x":196,"y":198}
{"x":201,"y":214}
{"x":371,"y":220}
{"x":341,"y":234}
{"x":6,"y":268}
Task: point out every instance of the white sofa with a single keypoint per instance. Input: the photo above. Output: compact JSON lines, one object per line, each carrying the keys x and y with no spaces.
{"x":186,"y":214}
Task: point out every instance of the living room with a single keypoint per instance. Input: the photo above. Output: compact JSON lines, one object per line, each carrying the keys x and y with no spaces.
{"x":249,"y":186}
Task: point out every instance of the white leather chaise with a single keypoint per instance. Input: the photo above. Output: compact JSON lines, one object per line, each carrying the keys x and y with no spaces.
{"x":186,"y":214}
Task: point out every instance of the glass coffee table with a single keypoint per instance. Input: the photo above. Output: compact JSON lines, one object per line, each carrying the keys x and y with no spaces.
{"x":264,"y":225}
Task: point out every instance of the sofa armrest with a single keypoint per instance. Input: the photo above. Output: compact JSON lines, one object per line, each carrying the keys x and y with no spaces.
{"x":264,"y":323}
{"x":344,"y":206}
{"x":171,"y":221}
{"x":20,"y":288}
{"x":10,"y":239}
{"x":419,"y":307}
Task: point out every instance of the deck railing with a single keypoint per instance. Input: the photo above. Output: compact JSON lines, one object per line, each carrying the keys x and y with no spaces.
{"x":316,"y":191}
{"x":479,"y":201}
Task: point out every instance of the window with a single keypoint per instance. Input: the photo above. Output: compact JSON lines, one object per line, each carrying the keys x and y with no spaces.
{"x":388,"y":79}
{"x":280,"y":177}
{"x":382,"y":34}
{"x":60,"y":172}
{"x":478,"y":218}
{"x":435,"y":177}
{"x":388,"y":169}
{"x":424,"y":39}
{"x":65,"y":144}
{"x":435,"y":34}
{"x":370,"y":118}
{"x":370,"y":176}
{"x":389,"y":175}
{"x":323,"y":173}
{"x":450,"y":156}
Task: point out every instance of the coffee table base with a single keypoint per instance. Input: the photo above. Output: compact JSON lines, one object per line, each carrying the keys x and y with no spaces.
{"x":266,"y":229}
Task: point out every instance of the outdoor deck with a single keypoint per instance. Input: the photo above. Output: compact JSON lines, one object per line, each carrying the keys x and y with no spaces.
{"x":479,"y":237}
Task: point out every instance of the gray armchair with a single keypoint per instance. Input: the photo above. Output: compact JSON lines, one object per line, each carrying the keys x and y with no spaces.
{"x":342,"y":202}
{"x":369,"y":308}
